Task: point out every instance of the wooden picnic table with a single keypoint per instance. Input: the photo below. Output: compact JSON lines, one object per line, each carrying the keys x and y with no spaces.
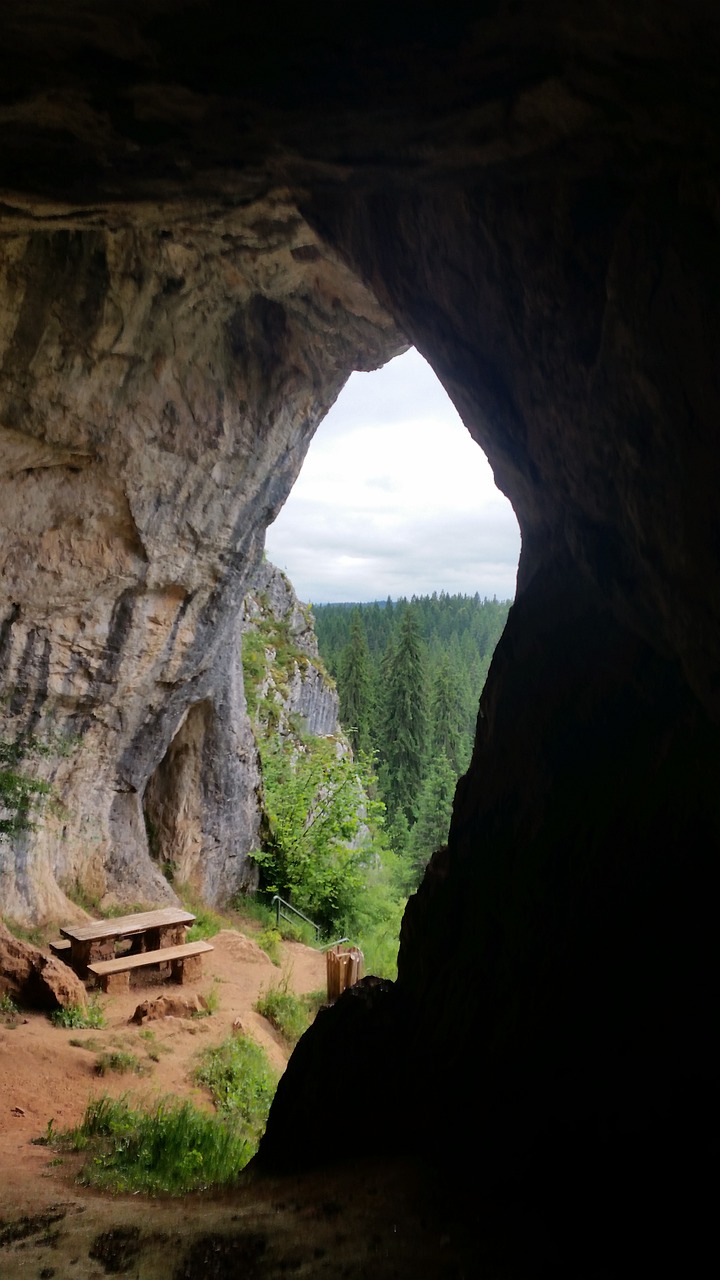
{"x":149,"y":930}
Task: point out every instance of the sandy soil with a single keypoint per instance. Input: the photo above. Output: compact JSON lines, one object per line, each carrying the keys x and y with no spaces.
{"x":354,"y":1221}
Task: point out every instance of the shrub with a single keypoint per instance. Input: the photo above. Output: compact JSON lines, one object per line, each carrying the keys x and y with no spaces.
{"x":284,"y":1010}
{"x":79,"y":1016}
{"x":270,"y":941}
{"x":173,"y":1147}
{"x":7,"y":1004}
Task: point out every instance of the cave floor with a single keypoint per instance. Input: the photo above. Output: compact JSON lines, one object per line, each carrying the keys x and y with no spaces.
{"x":359,"y":1220}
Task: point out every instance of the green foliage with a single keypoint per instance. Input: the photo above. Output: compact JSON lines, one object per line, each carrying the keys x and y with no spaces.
{"x":314,"y":798}
{"x":314,"y":1001}
{"x":172,"y":1148}
{"x":284,"y":1010}
{"x":270,"y":941}
{"x":433,"y":813}
{"x":78,"y":1015}
{"x":428,"y":662}
{"x":119,"y":1061}
{"x":22,"y":795}
{"x":241,"y":1082}
{"x":153,"y":1047}
{"x":34,"y":935}
{"x":405,"y":715}
{"x":8,"y":1008}
{"x":355,"y":687}
{"x":207,"y":922}
{"x":409,"y":679}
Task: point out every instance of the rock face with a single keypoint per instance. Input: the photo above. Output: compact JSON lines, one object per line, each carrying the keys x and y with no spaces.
{"x":35,"y":980}
{"x":158,"y":395}
{"x":531,"y":193}
{"x":307,"y":692}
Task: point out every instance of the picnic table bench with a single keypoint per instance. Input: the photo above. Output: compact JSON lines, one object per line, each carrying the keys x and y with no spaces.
{"x":185,"y":962}
{"x":148,"y":931}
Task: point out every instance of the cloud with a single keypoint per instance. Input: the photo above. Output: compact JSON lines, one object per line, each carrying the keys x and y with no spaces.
{"x":395,"y":498}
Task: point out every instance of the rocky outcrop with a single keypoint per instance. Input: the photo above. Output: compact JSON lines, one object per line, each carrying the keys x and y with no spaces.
{"x":34,"y":979}
{"x":295,"y":681}
{"x":158,"y":393}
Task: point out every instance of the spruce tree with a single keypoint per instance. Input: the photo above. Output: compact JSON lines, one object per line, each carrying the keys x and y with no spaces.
{"x":355,"y":687}
{"x":433,"y":815}
{"x":449,"y":733}
{"x":405,"y":729}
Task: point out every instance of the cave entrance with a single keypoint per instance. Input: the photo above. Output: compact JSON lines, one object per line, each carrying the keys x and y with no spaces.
{"x":397,"y":535}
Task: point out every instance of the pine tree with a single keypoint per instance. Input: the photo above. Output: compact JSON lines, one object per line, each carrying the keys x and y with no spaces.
{"x":405,"y":736}
{"x":448,"y":716}
{"x":355,"y":686}
{"x":434,"y":813}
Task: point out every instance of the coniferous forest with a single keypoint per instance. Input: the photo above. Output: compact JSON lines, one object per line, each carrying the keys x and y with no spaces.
{"x":348,"y":836}
{"x":409,"y":677}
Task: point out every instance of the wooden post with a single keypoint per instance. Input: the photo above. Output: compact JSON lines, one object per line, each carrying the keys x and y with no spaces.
{"x":344,"y":968}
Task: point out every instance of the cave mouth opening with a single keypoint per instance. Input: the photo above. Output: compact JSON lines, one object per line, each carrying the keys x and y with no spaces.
{"x":396,"y":511}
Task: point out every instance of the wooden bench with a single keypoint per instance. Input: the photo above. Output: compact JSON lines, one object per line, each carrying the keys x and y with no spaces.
{"x":185,"y":961}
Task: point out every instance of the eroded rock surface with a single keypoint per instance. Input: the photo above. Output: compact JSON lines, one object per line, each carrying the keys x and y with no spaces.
{"x":307,"y":692}
{"x":34,"y":979}
{"x":159,"y":390}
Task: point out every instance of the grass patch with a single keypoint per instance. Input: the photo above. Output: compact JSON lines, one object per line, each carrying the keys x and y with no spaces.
{"x":211,"y":1002}
{"x":79,"y":1016}
{"x":119,"y":1061}
{"x":207,"y":922}
{"x":153,"y":1047}
{"x":91,"y":1044}
{"x":241,"y":1082}
{"x":284,"y":1010}
{"x":172,"y":1148}
{"x":314,"y":1001}
{"x":36,"y":936}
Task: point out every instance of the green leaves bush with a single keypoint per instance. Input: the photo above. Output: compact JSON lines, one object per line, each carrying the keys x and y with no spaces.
{"x":315,"y":855}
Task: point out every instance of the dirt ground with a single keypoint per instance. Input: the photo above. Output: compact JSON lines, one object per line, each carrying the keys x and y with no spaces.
{"x":48,"y":1073}
{"x":354,"y":1221}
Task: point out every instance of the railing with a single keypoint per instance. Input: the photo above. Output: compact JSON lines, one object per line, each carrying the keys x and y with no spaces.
{"x":279,"y":903}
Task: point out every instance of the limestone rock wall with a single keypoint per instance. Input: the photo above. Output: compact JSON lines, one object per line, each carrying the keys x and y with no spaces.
{"x":306,"y":689}
{"x":158,"y":390}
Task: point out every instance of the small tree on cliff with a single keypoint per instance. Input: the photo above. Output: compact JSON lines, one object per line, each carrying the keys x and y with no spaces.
{"x":20,"y":795}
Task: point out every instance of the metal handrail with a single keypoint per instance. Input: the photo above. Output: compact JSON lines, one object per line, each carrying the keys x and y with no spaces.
{"x":279,"y":903}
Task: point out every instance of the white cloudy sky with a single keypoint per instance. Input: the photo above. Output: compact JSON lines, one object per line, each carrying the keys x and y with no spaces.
{"x":395,"y":499}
